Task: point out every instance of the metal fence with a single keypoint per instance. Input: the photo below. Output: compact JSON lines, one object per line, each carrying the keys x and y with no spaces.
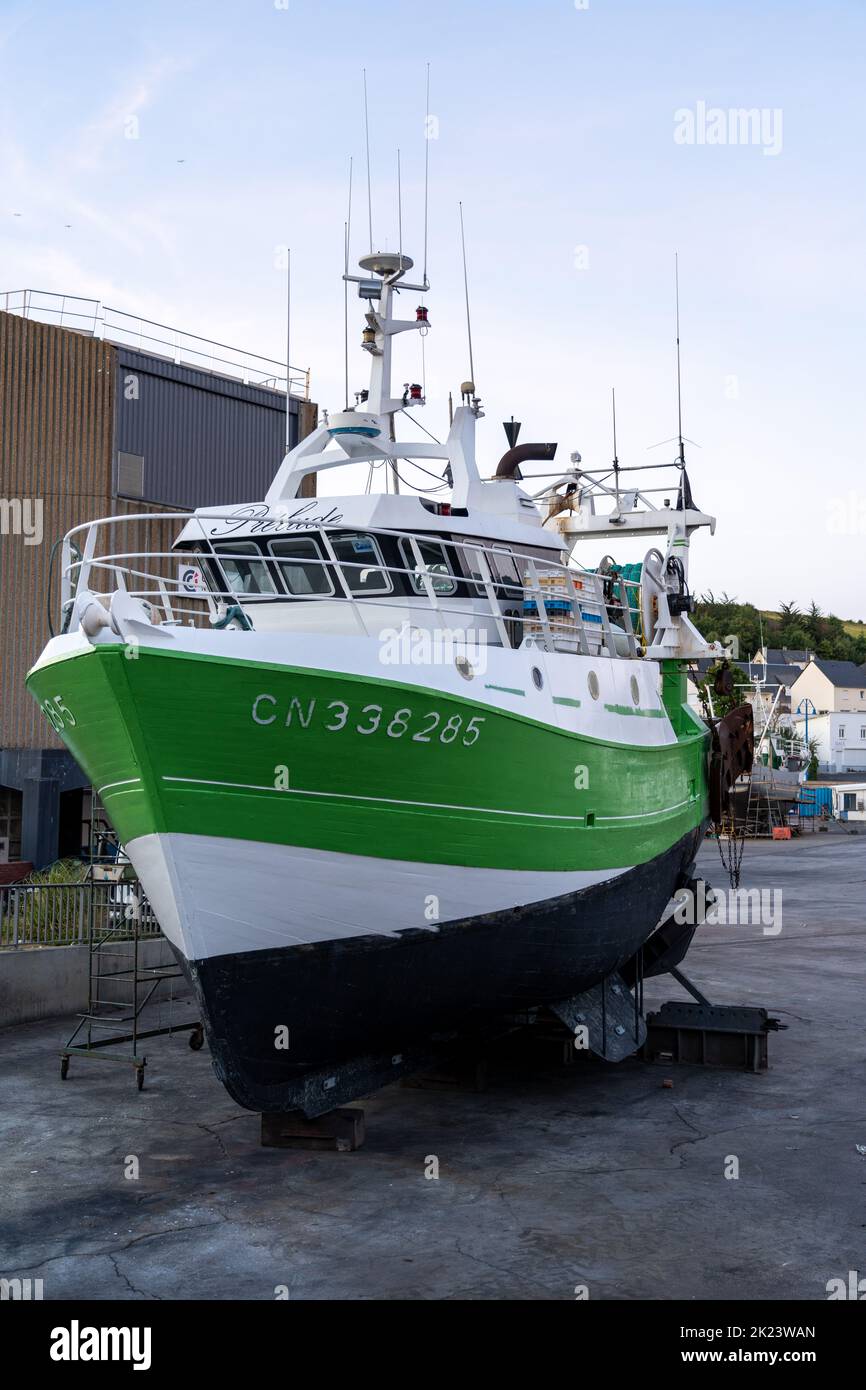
{"x":61,"y":914}
{"x":99,"y":320}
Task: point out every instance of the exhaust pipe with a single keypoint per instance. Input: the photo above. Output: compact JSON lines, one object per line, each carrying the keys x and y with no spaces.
{"x":510,"y":462}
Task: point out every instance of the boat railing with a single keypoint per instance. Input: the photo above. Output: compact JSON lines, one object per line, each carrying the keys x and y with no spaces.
{"x":550,"y":604}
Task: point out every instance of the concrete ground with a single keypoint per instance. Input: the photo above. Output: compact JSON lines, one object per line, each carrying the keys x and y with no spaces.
{"x":590,"y":1175}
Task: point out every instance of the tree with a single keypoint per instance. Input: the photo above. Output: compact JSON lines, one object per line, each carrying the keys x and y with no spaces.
{"x":722,"y":704}
{"x":814,"y":623}
{"x":720,"y":619}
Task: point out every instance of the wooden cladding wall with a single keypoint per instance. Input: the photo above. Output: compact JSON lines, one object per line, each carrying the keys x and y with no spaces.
{"x":56,"y":436}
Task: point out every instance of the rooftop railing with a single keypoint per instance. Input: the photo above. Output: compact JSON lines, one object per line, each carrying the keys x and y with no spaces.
{"x":99,"y":320}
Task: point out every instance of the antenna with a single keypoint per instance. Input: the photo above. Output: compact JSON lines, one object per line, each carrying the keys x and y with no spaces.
{"x":426,"y":172}
{"x":369,"y":185}
{"x":466,"y":292}
{"x":679,"y":378}
{"x":288,"y":349}
{"x":399,"y":207}
{"x":347,"y":238}
{"x":615,"y":455}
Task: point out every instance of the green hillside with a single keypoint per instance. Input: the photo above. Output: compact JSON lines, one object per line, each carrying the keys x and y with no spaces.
{"x":838,"y":639}
{"x":853,"y":626}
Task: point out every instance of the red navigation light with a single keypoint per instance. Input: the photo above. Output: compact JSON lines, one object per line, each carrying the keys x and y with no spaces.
{"x":415,"y":392}
{"x":421,"y":314}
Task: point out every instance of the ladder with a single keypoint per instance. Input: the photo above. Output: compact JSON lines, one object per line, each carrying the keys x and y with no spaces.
{"x":121,"y":986}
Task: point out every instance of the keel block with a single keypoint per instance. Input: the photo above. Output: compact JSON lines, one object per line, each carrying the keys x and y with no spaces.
{"x":340,"y":1130}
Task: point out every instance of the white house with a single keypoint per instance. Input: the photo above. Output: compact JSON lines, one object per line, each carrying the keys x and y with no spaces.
{"x":830,"y":698}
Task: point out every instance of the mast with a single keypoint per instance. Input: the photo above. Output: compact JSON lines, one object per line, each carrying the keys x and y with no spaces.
{"x":682,"y":455}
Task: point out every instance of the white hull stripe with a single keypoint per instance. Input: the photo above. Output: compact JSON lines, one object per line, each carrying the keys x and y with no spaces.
{"x":428,"y":805}
{"x":216,"y":896}
{"x":109,"y":786}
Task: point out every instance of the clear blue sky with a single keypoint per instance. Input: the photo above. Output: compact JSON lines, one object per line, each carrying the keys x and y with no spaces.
{"x":556,"y":128}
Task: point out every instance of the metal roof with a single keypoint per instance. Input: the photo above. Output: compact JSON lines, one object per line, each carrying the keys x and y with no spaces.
{"x":840,"y":673}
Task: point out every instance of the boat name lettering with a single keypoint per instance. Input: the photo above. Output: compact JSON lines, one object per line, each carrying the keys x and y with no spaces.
{"x":262,"y":520}
{"x":334,"y":715}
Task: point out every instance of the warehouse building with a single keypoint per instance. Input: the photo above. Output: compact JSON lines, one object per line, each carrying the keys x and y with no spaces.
{"x":102,"y":414}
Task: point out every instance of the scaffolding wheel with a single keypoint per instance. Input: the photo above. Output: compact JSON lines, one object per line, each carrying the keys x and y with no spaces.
{"x":64,"y":1068}
{"x":196,"y":1038}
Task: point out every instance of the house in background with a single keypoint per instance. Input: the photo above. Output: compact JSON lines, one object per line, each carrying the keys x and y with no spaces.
{"x":834,"y":694}
{"x":772,"y":672}
{"x":782,"y":656}
{"x":773,"y":678}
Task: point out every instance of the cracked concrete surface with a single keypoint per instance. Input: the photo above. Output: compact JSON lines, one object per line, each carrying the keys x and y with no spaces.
{"x":591,"y":1174}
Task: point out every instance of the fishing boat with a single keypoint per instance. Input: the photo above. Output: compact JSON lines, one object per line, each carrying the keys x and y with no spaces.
{"x":389,"y":766}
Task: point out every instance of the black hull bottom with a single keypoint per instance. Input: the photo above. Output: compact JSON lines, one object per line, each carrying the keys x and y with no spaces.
{"x":341,"y":1001}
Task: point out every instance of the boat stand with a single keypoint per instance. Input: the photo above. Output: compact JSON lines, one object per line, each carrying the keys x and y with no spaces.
{"x":700,"y":1033}
{"x":710,"y":1035}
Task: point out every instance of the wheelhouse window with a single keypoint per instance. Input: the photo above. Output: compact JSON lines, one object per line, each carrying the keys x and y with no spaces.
{"x":434,"y":561}
{"x":245,"y":576}
{"x":360,"y":558}
{"x":302,"y":566}
{"x":505,"y":574}
{"x":508,"y":574}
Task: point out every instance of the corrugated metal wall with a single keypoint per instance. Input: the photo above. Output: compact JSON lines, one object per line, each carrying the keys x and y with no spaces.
{"x":56,"y":431}
{"x":66,"y":410}
{"x":205,"y":440}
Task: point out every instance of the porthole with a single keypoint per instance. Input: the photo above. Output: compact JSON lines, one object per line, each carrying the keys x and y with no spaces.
{"x":592,"y":682}
{"x":464,"y":666}
{"x":537,"y":678}
{"x":635,"y":691}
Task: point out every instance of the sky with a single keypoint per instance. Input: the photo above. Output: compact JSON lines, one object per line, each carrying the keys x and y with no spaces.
{"x":159,"y":157}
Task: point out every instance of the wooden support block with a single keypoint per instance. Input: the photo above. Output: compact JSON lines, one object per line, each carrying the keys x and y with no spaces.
{"x":342,"y":1130}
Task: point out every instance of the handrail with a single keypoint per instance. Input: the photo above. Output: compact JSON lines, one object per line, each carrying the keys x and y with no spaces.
{"x":560,"y":607}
